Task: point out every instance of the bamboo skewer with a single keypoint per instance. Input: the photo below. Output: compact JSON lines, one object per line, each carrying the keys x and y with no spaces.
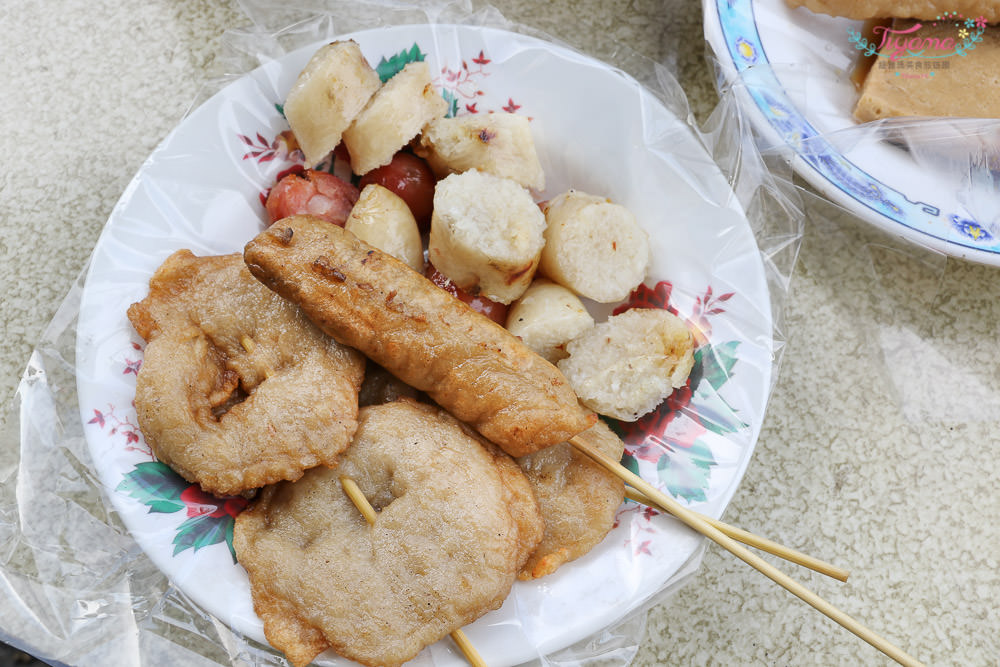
{"x":357,"y":496}
{"x":699,"y":524}
{"x":720,"y":533}
{"x":748,"y":538}
{"x":250,"y":346}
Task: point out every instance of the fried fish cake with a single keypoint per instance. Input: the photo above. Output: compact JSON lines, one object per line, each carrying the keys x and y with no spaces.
{"x":430,"y":340}
{"x":456,"y":522}
{"x":238,"y":388}
{"x":578,"y":499}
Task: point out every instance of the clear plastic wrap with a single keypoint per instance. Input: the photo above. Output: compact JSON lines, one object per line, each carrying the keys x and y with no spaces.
{"x":107,"y":559}
{"x":927,"y":186}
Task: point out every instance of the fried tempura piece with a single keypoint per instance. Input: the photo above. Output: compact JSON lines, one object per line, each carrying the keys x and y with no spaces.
{"x":237,"y":387}
{"x":430,"y":340}
{"x":456,"y":521}
{"x":578,"y":499}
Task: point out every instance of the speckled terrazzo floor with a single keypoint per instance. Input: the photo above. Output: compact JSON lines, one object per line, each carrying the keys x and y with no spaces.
{"x":883,"y":431}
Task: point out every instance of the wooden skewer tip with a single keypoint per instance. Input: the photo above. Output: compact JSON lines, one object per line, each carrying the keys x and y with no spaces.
{"x":357,"y":497}
{"x":750,"y":539}
{"x":697,"y":523}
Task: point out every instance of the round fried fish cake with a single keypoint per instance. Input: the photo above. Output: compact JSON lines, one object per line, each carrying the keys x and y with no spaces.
{"x":578,"y":499}
{"x":456,"y":522}
{"x":237,"y":388}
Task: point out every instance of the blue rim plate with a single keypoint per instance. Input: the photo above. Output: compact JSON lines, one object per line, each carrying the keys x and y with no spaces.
{"x":792,"y":70}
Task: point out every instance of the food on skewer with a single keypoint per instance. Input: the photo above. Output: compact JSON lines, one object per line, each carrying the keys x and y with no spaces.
{"x":577,"y":497}
{"x":371,"y":301}
{"x":498,"y":143}
{"x":379,"y":592}
{"x":237,"y":388}
{"x":626,"y":366}
{"x":381,"y":218}
{"x":456,"y":523}
{"x":357,"y":497}
{"x":328,"y":94}
{"x":547,"y":317}
{"x":394,"y":115}
{"x":486,"y":234}
{"x":594,"y":247}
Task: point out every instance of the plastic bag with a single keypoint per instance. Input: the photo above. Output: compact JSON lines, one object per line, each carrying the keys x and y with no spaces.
{"x":77,"y":586}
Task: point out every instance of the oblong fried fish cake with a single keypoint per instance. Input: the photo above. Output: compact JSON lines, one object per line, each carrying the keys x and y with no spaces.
{"x":469,"y":365}
{"x":456,"y":522}
{"x":237,"y":388}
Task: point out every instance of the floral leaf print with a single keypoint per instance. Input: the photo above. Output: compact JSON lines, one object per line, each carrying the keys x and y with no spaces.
{"x":630,"y":462}
{"x":210,"y":520}
{"x":717,"y":362}
{"x":199,"y":532}
{"x":462,"y":86}
{"x":387,"y":68}
{"x":119,"y":426}
{"x":687,"y":476}
{"x":284,"y":146}
{"x":511,"y":106}
{"x":98,"y":418}
{"x":155,"y":485}
{"x":452,"y":101}
{"x":715,"y":365}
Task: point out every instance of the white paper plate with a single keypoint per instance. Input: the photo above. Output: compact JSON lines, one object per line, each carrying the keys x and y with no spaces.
{"x":598,"y":131}
{"x":795,"y":71}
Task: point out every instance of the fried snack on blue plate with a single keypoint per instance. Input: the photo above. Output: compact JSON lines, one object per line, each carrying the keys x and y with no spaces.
{"x":968,"y":88}
{"x":456,"y":522}
{"x":237,"y":388}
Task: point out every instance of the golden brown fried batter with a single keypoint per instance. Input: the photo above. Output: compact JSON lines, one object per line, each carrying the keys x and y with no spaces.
{"x":578,"y":499}
{"x":430,"y":340}
{"x":456,"y":521}
{"x":238,"y":388}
